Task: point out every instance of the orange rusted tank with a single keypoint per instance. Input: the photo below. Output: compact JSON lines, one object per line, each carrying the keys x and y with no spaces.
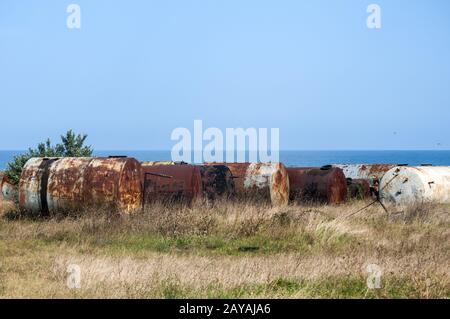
{"x":51,"y":185}
{"x":313,"y":184}
{"x":217,"y":181}
{"x":358,"y":188}
{"x":171,"y":183}
{"x":257,"y":181}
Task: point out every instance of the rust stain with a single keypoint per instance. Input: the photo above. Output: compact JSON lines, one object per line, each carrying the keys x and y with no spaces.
{"x":171,"y":183}
{"x":313,"y":184}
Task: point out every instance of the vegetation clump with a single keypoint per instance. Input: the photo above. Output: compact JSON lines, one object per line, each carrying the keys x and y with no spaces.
{"x":72,"y":145}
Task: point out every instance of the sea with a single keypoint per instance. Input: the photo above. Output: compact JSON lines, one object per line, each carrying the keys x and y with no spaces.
{"x":298,"y":158}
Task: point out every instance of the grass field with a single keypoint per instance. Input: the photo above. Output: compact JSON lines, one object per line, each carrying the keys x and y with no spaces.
{"x":228,"y":250}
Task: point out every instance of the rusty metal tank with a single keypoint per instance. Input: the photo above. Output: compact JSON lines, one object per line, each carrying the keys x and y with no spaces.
{"x":358,"y":188}
{"x":51,"y":185}
{"x":171,"y":183}
{"x":217,"y":181}
{"x":258,"y":181}
{"x":314,"y":184}
{"x":409,"y":185}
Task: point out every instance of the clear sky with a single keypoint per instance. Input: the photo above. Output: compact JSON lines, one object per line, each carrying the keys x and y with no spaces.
{"x":138,"y":69}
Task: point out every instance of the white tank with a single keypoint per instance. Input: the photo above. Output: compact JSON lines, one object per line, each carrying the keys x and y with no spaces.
{"x":408,"y":185}
{"x":369,"y":172}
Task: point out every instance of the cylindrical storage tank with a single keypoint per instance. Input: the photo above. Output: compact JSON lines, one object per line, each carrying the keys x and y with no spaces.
{"x":171,"y":183}
{"x":217,"y":181}
{"x":261,"y":181}
{"x":72,"y":183}
{"x":312,"y":184}
{"x":409,"y":185}
{"x":358,"y":188}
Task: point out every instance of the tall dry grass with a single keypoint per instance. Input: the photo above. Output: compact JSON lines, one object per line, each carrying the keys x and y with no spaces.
{"x":228,"y":249}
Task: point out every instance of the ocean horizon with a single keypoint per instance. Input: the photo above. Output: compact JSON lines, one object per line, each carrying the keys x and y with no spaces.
{"x":302,"y":158}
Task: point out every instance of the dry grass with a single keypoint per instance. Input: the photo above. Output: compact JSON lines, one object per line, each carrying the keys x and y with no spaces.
{"x":228,"y":249}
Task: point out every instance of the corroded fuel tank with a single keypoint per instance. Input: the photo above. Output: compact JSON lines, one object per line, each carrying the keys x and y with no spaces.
{"x":217,"y":181}
{"x":260,"y":181}
{"x":358,"y":188}
{"x":51,"y":185}
{"x":313,"y":184}
{"x":170,"y":183}
{"x":408,"y":185}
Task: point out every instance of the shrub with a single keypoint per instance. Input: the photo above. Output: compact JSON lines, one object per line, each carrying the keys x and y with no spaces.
{"x":71,"y":145}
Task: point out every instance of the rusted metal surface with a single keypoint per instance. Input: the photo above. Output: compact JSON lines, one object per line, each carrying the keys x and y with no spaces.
{"x":313,"y":184}
{"x":33,"y":185}
{"x":171,"y":183}
{"x":217,"y":181}
{"x":358,"y":188}
{"x":258,"y":181}
{"x":421,"y":184}
{"x":51,"y":185}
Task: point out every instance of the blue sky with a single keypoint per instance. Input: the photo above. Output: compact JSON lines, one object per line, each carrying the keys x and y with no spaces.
{"x":138,"y":69}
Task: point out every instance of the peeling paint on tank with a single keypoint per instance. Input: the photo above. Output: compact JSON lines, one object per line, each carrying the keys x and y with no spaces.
{"x":365,"y":171}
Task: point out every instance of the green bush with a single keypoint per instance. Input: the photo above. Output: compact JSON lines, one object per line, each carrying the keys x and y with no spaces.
{"x":71,"y":145}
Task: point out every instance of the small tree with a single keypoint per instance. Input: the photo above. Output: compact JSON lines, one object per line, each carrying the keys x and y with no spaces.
{"x":72,"y":146}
